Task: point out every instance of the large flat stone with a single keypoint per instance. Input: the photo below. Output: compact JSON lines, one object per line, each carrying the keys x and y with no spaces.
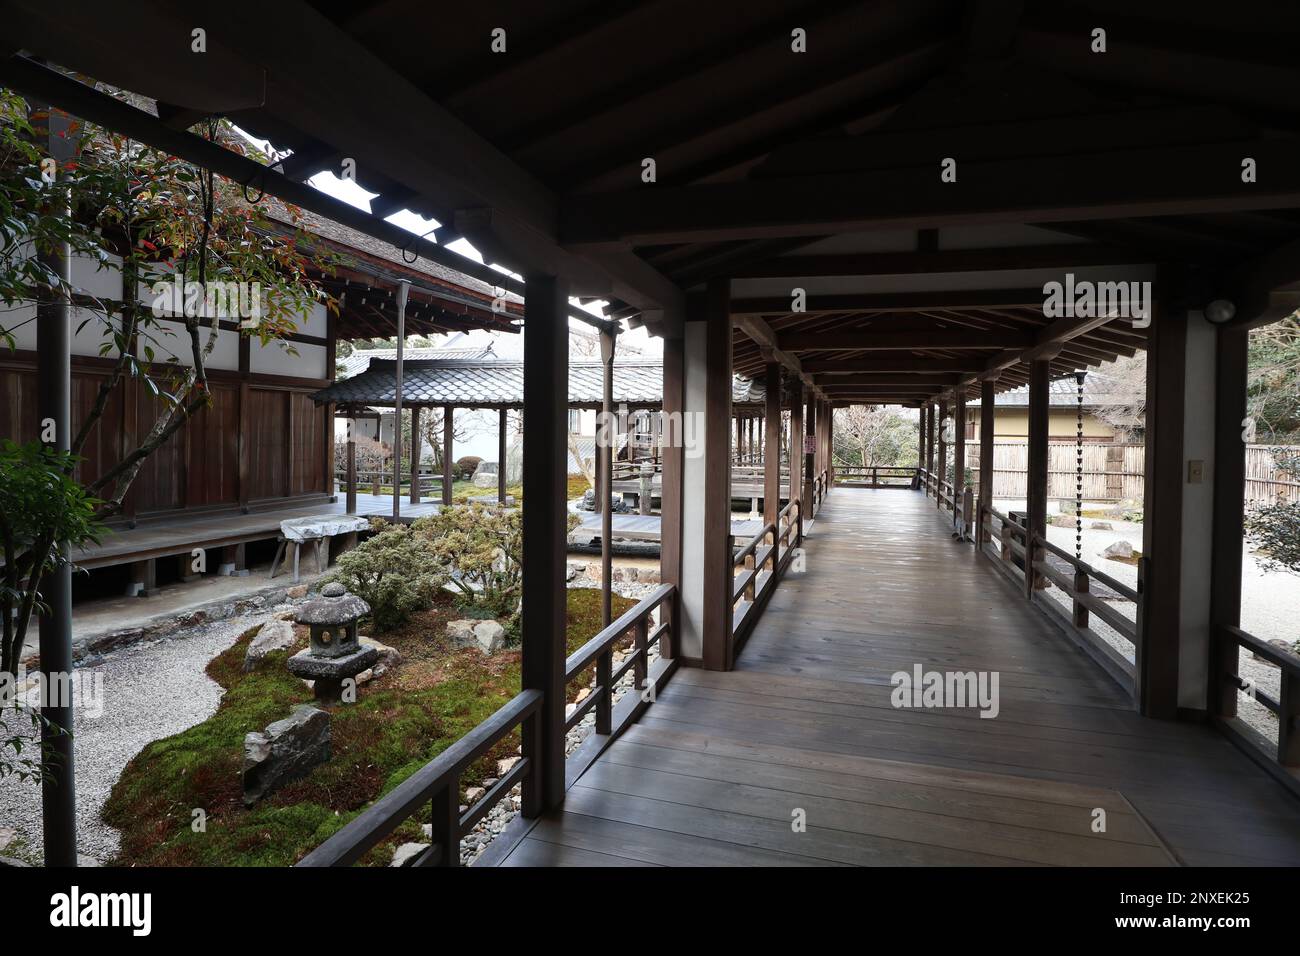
{"x":287,"y":750}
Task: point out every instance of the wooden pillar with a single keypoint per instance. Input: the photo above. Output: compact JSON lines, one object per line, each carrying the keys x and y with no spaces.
{"x":448,"y":423}
{"x":1229,"y":474}
{"x":670,"y":491}
{"x":795,"y":444}
{"x":1160,"y":567}
{"x":403,"y":292}
{"x":716,"y":529}
{"x":771,"y":457}
{"x":959,"y":455}
{"x":415,"y":454}
{"x":929,"y":438}
{"x":1036,"y":468}
{"x":942,"y":453}
{"x":546,"y":375}
{"x":920,"y":437}
{"x":986,"y":449}
{"x":605,"y":462}
{"x":809,"y":455}
{"x":502,"y":432}
{"x":352,"y":467}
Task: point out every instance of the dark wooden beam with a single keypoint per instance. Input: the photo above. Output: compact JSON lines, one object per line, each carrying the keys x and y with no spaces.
{"x":898,"y":341}
{"x":893,"y":302}
{"x":819,"y":367}
{"x":1123,"y":183}
{"x":1056,"y":256}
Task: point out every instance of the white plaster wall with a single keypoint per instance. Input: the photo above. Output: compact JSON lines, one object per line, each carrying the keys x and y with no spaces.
{"x":1198,"y":514}
{"x":692,"y":589}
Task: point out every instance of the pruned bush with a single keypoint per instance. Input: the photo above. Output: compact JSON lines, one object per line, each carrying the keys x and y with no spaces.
{"x":479,"y":551}
{"x":395,"y":571}
{"x":465,"y":467}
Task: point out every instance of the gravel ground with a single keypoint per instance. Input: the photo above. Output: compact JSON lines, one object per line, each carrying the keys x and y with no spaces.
{"x":1268,"y":605}
{"x":150,"y":690}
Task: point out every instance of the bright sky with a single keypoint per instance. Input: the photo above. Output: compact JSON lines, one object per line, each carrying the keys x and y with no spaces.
{"x":351,"y":193}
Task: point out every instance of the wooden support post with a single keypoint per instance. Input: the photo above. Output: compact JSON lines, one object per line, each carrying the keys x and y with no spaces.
{"x":921,"y":442}
{"x":796,"y":455}
{"x":942,"y":453}
{"x":144,"y":579}
{"x":186,"y":572}
{"x":234,"y":561}
{"x":1080,"y":610}
{"x":959,"y":449}
{"x":546,"y":374}
{"x":448,"y":423}
{"x":929,"y":440}
{"x":772,"y":442}
{"x":605,"y":446}
{"x":809,"y":457}
{"x":352,"y":468}
{"x":416,"y":445}
{"x":716,"y":652}
{"x":403,"y":292}
{"x":1229,"y":472}
{"x":987,"y":425}
{"x":670,"y":491}
{"x":502,"y":431}
{"x":1160,"y":568}
{"x":1036,"y":478}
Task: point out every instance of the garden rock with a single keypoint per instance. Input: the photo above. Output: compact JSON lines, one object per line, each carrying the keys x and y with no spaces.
{"x":461,"y":633}
{"x":274,"y":635}
{"x":389,"y":657}
{"x":490,"y":636}
{"x":1120,"y":549}
{"x":1062,"y":521}
{"x":287,"y":750}
{"x":1101,"y":526}
{"x":407,"y":853}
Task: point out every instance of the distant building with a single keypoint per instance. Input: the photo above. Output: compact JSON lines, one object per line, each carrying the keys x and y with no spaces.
{"x":1011,"y":411}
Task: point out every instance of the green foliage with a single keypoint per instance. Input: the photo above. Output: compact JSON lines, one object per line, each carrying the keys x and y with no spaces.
{"x":44,"y":513}
{"x":391,"y":731}
{"x":1273,"y":384}
{"x":480,"y":551}
{"x":1274,"y":529}
{"x":395,"y":571}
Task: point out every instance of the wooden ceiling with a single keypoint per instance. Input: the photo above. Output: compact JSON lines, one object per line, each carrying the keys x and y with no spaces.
{"x":779,"y":170}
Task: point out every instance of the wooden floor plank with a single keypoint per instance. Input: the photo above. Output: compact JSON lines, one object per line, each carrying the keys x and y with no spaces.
{"x":715,"y":768}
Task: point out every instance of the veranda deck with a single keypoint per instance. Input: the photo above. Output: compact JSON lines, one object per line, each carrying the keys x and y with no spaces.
{"x":718,"y":770}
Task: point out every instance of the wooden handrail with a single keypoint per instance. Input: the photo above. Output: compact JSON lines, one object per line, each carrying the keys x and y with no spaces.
{"x":583,"y":656}
{"x":1025,"y":553}
{"x":438,"y":782}
{"x":1286,"y":706}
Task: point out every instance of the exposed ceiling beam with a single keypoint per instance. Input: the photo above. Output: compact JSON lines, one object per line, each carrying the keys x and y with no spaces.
{"x":1123,"y":183}
{"x":1056,"y":256}
{"x":938,"y":339}
{"x":845,"y":366}
{"x":761,"y":334}
{"x":815,"y":303}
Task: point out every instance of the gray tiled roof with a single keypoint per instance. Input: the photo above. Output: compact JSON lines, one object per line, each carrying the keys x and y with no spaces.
{"x":501,"y":382}
{"x":1098,"y":389}
{"x":360,"y":359}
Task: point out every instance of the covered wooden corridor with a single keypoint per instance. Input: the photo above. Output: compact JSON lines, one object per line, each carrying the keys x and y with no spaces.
{"x":715,"y":771}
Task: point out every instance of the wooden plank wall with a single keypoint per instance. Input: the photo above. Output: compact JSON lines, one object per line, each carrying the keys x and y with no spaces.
{"x":199,"y":467}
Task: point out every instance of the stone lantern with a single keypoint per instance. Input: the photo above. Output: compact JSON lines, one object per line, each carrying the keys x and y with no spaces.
{"x":335,"y":653}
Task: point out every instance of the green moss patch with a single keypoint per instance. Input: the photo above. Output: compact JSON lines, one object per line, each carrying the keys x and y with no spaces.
{"x":399,"y":722}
